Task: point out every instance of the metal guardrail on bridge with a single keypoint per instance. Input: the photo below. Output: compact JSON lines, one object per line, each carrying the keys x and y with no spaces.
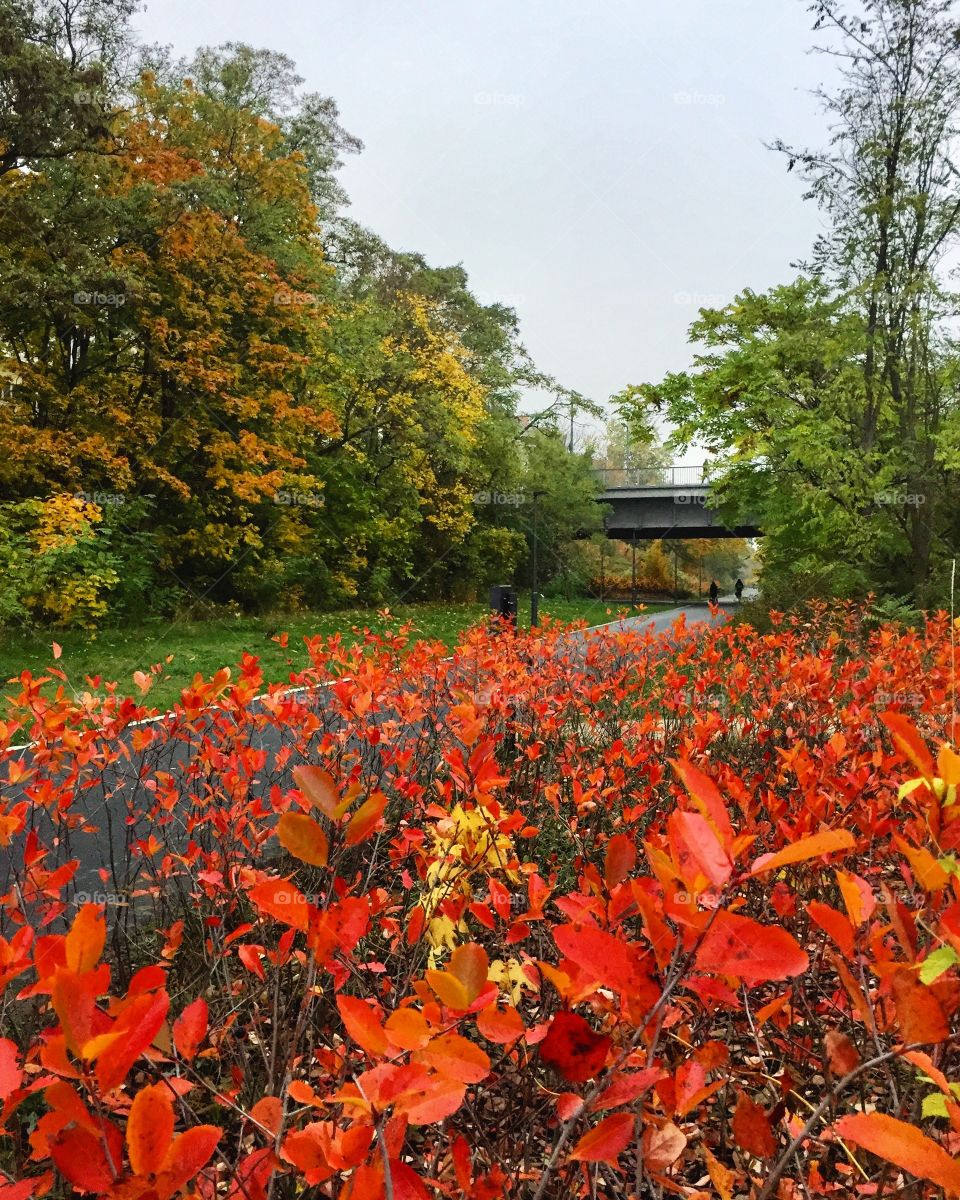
{"x":679,"y":475}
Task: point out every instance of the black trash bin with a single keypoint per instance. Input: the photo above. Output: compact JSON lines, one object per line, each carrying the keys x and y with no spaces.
{"x":503,"y":603}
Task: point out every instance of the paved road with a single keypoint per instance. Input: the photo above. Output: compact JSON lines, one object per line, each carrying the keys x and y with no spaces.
{"x":696,"y":614}
{"x":112,"y":799}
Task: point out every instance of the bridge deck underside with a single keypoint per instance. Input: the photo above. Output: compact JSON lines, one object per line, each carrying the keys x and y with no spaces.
{"x":652,"y":533}
{"x":666,"y":512}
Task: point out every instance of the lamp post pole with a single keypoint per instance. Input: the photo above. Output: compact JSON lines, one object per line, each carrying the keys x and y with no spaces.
{"x":633,"y":570}
{"x":535,"y":581}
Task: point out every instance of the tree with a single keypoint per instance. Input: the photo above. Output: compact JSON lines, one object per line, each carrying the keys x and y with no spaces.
{"x":835,"y":398}
{"x":623,"y":454}
{"x":567,"y":509}
{"x":60,"y":68}
{"x":284,"y":409}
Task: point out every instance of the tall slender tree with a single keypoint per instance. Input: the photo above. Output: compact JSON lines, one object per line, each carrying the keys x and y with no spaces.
{"x":835,"y":399}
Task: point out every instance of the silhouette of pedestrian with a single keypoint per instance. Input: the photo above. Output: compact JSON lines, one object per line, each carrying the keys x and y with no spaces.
{"x":714,"y":591}
{"x":738,"y":588}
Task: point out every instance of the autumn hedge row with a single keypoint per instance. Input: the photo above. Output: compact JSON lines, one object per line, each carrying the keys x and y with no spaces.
{"x":625,"y":917}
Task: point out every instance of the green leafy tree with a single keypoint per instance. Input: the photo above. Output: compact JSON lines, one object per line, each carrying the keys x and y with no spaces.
{"x":834,"y":400}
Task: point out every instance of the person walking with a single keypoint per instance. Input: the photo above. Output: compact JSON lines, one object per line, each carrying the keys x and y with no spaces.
{"x":714,"y":591}
{"x":738,"y":588}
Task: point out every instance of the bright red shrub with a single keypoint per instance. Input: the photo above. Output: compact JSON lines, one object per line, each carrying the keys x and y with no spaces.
{"x":537,"y":920}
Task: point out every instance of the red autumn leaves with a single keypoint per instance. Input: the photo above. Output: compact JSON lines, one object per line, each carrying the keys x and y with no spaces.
{"x":617,"y":961}
{"x":89,"y":1152}
{"x":100,"y":1040}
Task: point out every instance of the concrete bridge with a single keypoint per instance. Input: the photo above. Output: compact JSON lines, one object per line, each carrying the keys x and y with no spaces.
{"x":648,"y":503}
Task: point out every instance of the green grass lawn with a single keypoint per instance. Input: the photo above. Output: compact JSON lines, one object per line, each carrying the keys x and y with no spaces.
{"x":207,"y":645}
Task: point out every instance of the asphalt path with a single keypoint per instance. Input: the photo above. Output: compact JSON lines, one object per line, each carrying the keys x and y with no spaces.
{"x":114,"y":799}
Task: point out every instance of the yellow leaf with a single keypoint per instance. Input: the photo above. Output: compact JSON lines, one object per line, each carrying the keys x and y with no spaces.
{"x":448,"y":988}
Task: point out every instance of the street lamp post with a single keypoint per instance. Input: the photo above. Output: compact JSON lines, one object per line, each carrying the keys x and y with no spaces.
{"x":535,"y":581}
{"x":633,"y":571}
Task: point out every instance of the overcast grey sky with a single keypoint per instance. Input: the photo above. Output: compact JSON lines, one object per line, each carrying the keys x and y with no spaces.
{"x":599,"y":166}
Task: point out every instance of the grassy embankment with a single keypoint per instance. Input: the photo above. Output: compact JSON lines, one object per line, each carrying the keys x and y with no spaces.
{"x":206,"y":645}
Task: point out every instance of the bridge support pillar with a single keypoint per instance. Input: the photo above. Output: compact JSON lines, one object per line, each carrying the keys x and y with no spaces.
{"x":633,"y":569}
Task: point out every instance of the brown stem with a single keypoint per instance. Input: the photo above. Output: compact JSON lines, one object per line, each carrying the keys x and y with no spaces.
{"x":781,"y":1165}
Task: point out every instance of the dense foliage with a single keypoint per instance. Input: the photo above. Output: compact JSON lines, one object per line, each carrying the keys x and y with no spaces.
{"x":252,"y":398}
{"x":552,"y":917}
{"x":832,"y":402}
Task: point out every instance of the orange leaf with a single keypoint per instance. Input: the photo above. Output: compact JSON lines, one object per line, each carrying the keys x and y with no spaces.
{"x":834,"y":923}
{"x":860,"y":1002}
{"x":948,"y":765}
{"x":919,"y":1015}
{"x":85,"y":941}
{"x":930,"y":875}
{"x":281,"y":900}
{"x":902,"y":1144}
{"x":735,"y":945}
{"x":436,"y":1103}
{"x":909,"y":742}
{"x":365,"y":818}
{"x":190,"y":1028}
{"x":751,"y":1129}
{"x":606,"y":1141}
{"x":135,"y":1029}
{"x":828,"y":842}
{"x":188,"y":1155}
{"x":150,"y":1129}
{"x":469,"y":963}
{"x":318,"y":787}
{"x":703,"y":792}
{"x":662,"y":1147}
{"x":456,"y":1057}
{"x":11,"y":1075}
{"x":408,"y":1029}
{"x":500,"y":1025}
{"x":721,"y":1177}
{"x":698,"y":849}
{"x":300,"y":1092}
{"x":842,"y":1056}
{"x":250,"y":957}
{"x":75,"y":1003}
{"x":364,"y":1023}
{"x":858,"y":898}
{"x":303,"y":838}
{"x":268,"y":1112}
{"x":621,"y":858}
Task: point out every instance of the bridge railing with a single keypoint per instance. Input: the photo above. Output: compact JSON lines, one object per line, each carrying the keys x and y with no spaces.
{"x":678,"y":475}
